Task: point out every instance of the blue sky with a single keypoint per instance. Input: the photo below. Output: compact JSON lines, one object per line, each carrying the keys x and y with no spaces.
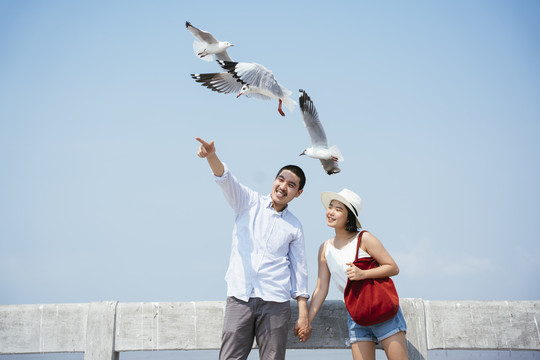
{"x":434,"y":106}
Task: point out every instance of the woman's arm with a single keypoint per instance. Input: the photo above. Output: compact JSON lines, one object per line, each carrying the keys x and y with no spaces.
{"x":376,"y":250}
{"x":323,"y":282}
{"x":319,"y":294}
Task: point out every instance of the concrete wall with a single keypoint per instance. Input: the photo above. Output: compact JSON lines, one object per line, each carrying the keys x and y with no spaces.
{"x":102,"y":330}
{"x":486,"y":325}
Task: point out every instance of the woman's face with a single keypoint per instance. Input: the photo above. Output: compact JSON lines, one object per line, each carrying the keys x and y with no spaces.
{"x":336,"y":214}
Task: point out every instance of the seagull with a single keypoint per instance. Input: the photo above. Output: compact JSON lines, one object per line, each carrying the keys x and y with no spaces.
{"x":319,"y":150}
{"x":206,"y":45}
{"x":250,"y":79}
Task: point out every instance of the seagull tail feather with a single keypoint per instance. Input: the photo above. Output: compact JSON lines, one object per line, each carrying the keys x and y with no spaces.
{"x":336,"y":153}
{"x":289,"y":103}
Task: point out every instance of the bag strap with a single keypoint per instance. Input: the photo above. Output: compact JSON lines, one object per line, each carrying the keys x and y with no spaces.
{"x":358,"y":244}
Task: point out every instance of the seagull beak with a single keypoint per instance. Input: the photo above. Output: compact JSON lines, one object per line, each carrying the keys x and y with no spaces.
{"x":237,"y":96}
{"x":302,"y":154}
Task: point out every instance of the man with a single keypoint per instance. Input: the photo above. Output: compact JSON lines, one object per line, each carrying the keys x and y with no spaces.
{"x":267,"y":266}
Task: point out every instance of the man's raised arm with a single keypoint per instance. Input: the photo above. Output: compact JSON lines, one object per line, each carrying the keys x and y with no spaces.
{"x":208,"y":151}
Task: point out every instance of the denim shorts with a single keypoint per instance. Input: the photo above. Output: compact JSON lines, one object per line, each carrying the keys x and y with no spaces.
{"x":377,"y":332}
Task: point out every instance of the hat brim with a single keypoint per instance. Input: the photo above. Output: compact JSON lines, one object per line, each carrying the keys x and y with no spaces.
{"x":328,"y":196}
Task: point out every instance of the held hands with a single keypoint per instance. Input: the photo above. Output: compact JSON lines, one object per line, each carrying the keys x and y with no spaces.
{"x":302,"y":330}
{"x":205,"y":149}
{"x":354,"y":273}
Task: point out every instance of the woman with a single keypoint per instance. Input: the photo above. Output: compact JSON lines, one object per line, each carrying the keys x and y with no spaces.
{"x":336,"y":258}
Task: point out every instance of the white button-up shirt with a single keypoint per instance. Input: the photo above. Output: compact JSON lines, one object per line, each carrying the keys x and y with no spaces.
{"x":268,"y":250}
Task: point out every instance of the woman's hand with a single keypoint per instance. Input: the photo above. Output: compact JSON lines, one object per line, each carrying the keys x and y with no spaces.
{"x":354,"y":273}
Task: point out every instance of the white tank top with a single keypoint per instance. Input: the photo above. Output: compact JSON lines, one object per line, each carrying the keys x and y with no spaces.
{"x":337,"y":258}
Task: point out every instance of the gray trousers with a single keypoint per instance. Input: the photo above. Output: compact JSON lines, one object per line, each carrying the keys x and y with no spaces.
{"x":265,"y":321}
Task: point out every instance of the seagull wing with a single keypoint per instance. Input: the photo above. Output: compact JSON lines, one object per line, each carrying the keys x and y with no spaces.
{"x":224,"y":83}
{"x":330,"y":166}
{"x":257,"y":95}
{"x":200,"y":34}
{"x":312,"y":122}
{"x":223,"y":56}
{"x":255,"y":75}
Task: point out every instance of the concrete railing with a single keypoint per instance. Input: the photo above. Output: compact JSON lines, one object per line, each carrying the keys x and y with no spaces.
{"x":102,"y":330}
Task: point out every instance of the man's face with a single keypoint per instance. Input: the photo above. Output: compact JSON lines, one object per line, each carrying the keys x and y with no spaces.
{"x":285,"y":188}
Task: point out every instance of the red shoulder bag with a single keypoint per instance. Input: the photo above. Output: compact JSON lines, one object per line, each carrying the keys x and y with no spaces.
{"x":370,"y":301}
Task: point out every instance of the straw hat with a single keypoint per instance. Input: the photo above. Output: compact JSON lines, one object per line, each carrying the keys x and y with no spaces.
{"x":347,"y":197}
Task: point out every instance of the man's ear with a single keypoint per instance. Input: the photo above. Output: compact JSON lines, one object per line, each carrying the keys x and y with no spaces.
{"x":299,"y":192}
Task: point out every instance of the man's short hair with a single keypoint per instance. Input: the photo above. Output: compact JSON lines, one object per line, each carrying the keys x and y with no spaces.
{"x":296,"y":170}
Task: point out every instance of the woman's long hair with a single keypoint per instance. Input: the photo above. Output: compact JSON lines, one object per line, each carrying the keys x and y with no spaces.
{"x":351,"y":226}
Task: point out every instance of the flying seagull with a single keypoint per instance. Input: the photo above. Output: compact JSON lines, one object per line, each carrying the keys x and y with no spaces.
{"x":319,"y":150}
{"x":206,"y":45}
{"x":248,"y":79}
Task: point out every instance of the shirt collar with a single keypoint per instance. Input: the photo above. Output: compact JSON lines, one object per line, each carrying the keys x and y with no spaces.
{"x":271,"y":207}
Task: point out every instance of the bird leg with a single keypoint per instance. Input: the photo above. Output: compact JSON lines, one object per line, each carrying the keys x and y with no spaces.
{"x":279,"y":108}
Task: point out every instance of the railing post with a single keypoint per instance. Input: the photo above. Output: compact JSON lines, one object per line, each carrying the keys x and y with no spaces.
{"x":100,"y":331}
{"x":415,"y":316}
